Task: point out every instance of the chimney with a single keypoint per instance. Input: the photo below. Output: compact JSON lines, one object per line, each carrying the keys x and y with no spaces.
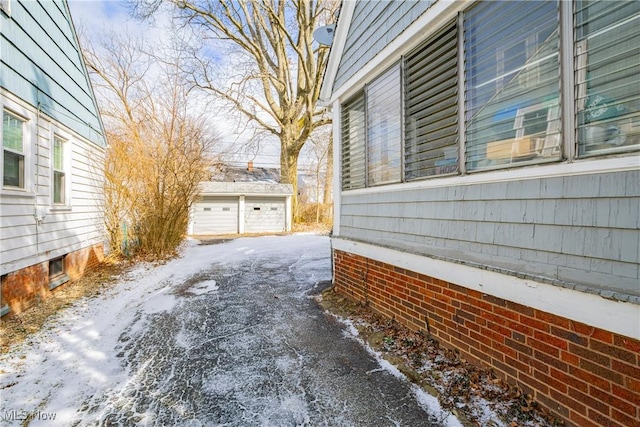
{"x":250,"y":166}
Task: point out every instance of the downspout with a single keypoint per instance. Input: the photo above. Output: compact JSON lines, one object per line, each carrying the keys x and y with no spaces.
{"x":36,"y":215}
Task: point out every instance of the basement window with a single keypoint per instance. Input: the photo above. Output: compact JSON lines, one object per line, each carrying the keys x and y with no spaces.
{"x":4,"y":308}
{"x":226,"y":209}
{"x":256,"y":208}
{"x":274,"y":208}
{"x":57,"y":272}
{"x":207,"y":209}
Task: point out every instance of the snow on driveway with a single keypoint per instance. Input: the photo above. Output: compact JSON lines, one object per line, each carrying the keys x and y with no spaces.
{"x":226,"y":334}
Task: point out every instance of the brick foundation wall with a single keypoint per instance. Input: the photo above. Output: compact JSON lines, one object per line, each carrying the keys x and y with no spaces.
{"x":584,"y":375}
{"x":25,"y":288}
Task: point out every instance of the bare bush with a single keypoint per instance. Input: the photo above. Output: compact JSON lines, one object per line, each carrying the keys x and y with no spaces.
{"x":158,"y":148}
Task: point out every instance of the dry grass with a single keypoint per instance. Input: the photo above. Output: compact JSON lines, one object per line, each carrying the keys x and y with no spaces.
{"x":15,"y":328}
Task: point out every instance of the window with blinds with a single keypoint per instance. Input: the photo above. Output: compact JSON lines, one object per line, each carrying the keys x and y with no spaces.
{"x":384,"y":128}
{"x":431,"y":107}
{"x":512,"y":84}
{"x":353,"y":143}
{"x":607,"y":70}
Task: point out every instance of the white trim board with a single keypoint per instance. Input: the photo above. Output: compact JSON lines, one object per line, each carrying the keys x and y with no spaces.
{"x":582,"y":167}
{"x":615,"y":316}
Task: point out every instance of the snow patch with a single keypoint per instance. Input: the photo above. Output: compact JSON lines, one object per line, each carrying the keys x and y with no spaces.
{"x":204,"y":287}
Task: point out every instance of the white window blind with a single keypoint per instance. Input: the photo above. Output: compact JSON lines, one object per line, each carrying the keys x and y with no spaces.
{"x":431,"y":107}
{"x":607,"y":76}
{"x":384,"y":128}
{"x":353,"y":143}
{"x":512,"y":83}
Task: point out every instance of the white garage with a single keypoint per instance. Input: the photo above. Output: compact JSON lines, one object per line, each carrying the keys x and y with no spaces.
{"x":241,"y":207}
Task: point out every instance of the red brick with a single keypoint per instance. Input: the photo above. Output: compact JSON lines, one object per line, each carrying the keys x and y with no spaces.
{"x":509,"y":314}
{"x":544,"y":347}
{"x":569,"y":336}
{"x":601,"y":419}
{"x":536,"y":324}
{"x":611,"y":400}
{"x":569,"y":380}
{"x":552,"y":319}
{"x":551,"y":361}
{"x":590,"y":378}
{"x":626,"y":394}
{"x":628,"y":343}
{"x":570,"y":358}
{"x":633,"y":384}
{"x":612,"y":351}
{"x":626,"y":419}
{"x":551,"y":340}
{"x":582,"y":422}
{"x":568,"y":402}
{"x":589,"y":401}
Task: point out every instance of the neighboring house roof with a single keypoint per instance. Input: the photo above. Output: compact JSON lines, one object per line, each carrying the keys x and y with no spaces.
{"x":245,"y":189}
{"x":249,"y":174}
{"x":42,"y":63}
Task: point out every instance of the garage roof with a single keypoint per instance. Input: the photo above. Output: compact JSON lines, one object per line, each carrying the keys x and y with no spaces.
{"x":245,"y":188}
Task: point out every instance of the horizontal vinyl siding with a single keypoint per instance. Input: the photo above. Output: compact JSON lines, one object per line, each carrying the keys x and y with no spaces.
{"x":574,"y":229}
{"x":42,"y":64}
{"x":374,"y":25}
{"x":64,"y":229}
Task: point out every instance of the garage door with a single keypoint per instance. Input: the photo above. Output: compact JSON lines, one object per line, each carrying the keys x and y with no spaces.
{"x":264,"y":214}
{"x":216,"y":215}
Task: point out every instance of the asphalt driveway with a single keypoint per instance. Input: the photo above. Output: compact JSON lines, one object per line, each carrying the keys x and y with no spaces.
{"x":228,"y":335}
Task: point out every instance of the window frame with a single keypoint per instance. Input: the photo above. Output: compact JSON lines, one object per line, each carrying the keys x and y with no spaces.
{"x":580,"y":65}
{"x":425,"y":50}
{"x":57,"y":172}
{"x":562,"y":120}
{"x":60,"y":277}
{"x":25,"y":153}
{"x":385,"y":130}
{"x":351,"y":177}
{"x":59,"y":134}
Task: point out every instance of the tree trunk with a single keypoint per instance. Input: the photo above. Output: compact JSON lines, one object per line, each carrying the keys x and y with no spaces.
{"x":328,"y":179}
{"x":289,"y":174}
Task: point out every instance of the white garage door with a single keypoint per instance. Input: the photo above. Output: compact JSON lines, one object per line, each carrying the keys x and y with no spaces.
{"x":216,"y":215}
{"x":264,"y":214}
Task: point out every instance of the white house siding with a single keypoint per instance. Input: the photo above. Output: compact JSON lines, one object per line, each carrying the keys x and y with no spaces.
{"x":63,"y":229}
{"x":44,"y":83}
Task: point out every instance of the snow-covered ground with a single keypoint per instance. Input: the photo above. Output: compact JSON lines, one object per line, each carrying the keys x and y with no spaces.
{"x":116,"y":357}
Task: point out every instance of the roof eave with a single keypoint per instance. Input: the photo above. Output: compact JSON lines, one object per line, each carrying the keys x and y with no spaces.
{"x":337,"y":49}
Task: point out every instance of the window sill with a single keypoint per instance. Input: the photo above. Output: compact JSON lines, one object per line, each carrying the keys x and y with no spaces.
{"x":61,"y":208}
{"x":58,"y":281}
{"x":17,"y":192}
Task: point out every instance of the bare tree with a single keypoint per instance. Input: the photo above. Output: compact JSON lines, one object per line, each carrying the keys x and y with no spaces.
{"x":158,"y":147}
{"x":277,"y":85}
